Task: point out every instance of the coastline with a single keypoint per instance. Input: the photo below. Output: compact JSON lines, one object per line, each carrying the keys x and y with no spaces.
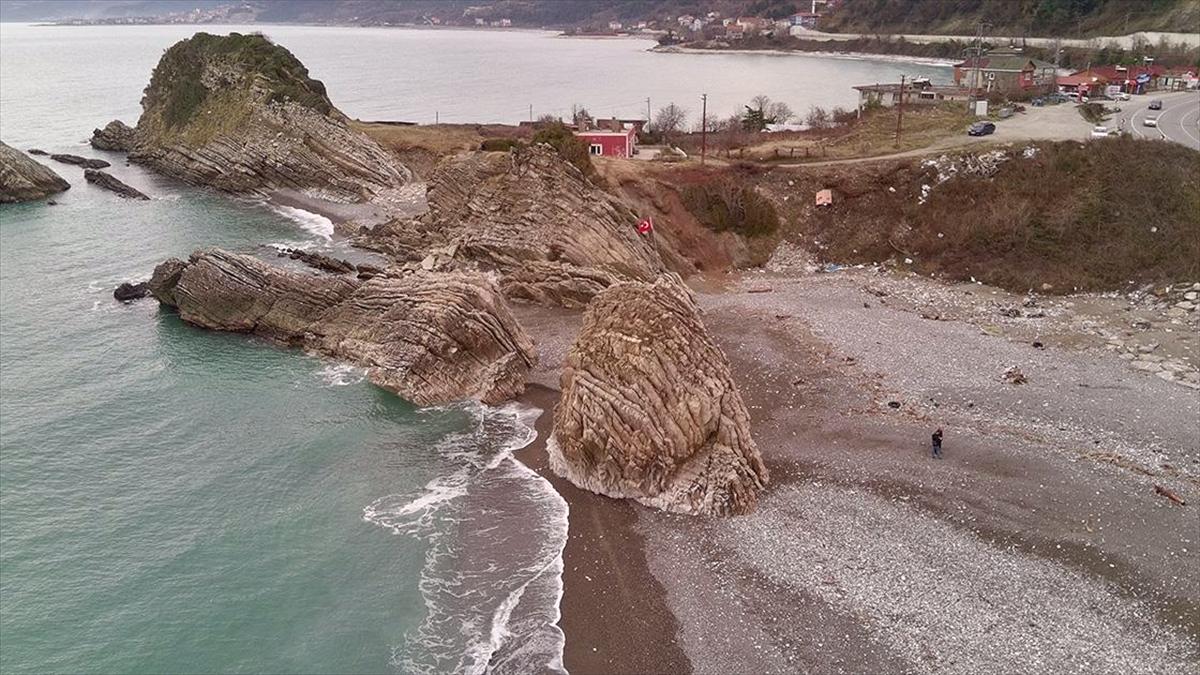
{"x":614,"y":611}
{"x":850,"y":56}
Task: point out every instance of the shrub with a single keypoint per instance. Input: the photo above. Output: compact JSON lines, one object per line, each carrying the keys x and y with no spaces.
{"x":570,"y":148}
{"x":500,"y":144}
{"x":729,"y":206}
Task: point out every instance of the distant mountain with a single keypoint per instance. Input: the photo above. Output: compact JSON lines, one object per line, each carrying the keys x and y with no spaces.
{"x":57,"y":10}
{"x":1063,"y":18}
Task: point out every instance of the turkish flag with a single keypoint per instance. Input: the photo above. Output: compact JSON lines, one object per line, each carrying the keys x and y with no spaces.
{"x":645,"y":225}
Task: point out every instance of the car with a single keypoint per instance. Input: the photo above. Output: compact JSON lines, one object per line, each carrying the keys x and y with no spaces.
{"x":1156,"y":104}
{"x":1150,"y":122}
{"x":981,"y":129}
{"x":1102,"y":132}
{"x":1121,"y":96}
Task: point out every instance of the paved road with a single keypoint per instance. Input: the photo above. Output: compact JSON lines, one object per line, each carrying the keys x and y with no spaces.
{"x":1178,"y":121}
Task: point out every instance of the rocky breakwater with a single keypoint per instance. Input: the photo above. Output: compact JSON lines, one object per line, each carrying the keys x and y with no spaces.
{"x":24,"y":179}
{"x":554,"y":236}
{"x":240,"y":114}
{"x":430,"y":337}
{"x":649,"y":410}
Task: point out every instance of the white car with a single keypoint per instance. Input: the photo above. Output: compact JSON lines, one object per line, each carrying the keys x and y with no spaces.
{"x":1121,"y":96}
{"x":1150,"y":122}
{"x":1101,"y":132}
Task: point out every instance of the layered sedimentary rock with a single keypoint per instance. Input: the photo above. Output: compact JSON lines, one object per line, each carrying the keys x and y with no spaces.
{"x":430,"y":337}
{"x":553,"y":235}
{"x":116,"y":135}
{"x":241,"y":114}
{"x":85,"y":162}
{"x":113,"y":184}
{"x":649,"y":410}
{"x":23,"y":179}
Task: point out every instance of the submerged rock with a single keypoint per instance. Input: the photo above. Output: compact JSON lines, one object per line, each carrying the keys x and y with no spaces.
{"x":116,"y":135}
{"x":241,"y":114}
{"x":432,"y":338}
{"x":554,"y":236}
{"x":23,"y":179}
{"x":649,"y":410}
{"x":85,"y":162}
{"x":111,"y":182}
{"x":35,"y":151}
{"x":128,"y":292}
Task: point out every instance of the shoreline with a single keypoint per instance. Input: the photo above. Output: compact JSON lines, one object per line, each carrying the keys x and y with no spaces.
{"x":613,"y":610}
{"x":849,"y":56}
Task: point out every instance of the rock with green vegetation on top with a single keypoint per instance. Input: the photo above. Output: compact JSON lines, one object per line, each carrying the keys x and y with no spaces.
{"x":241,"y":114}
{"x":23,"y":179}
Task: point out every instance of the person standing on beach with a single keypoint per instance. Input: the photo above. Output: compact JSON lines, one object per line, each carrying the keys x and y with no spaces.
{"x":937,"y":443}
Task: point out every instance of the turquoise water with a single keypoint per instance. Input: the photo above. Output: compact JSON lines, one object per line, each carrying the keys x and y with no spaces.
{"x":177,"y":500}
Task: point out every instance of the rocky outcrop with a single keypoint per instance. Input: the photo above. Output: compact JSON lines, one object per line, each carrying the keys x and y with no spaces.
{"x":116,"y":135}
{"x":128,"y":291}
{"x":112,"y":183}
{"x":553,"y":235}
{"x":649,"y":410}
{"x":241,"y":114}
{"x":85,"y":162}
{"x":23,"y":179}
{"x":430,"y":337}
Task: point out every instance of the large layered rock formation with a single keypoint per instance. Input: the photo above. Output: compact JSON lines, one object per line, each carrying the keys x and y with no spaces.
{"x":241,"y":114}
{"x":23,"y":179}
{"x":430,"y":337}
{"x":649,"y":410}
{"x":553,"y":235}
{"x":116,"y":135}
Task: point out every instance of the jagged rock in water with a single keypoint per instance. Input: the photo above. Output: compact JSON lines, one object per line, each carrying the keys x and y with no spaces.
{"x":36,"y":151}
{"x":241,"y":114}
{"x":432,"y":338}
{"x":116,"y":135}
{"x":85,"y":162}
{"x":23,"y":179}
{"x":319,"y":261}
{"x":128,"y":292}
{"x":525,"y":213}
{"x":112,"y":183}
{"x":649,"y":410}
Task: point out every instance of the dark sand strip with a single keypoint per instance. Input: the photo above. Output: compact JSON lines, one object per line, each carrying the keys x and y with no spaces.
{"x":614,"y":611}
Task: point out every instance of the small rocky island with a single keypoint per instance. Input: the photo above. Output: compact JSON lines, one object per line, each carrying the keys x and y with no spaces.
{"x":23,"y":179}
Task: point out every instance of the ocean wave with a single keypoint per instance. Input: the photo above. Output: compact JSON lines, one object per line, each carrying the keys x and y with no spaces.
{"x":492,"y":578}
{"x":311,"y":222}
{"x":342,"y":374}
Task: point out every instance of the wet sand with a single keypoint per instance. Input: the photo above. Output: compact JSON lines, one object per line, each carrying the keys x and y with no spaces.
{"x":614,"y":611}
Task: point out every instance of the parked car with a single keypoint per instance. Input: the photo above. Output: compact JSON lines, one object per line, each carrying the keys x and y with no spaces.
{"x":1150,"y":121}
{"x":981,"y":129}
{"x":1102,"y":132}
{"x":1156,"y":104}
{"x":1121,"y":96}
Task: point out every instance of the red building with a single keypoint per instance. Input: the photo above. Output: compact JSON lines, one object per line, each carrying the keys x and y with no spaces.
{"x":610,"y":143}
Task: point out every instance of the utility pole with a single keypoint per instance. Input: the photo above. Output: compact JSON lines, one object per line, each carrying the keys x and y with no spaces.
{"x":436,"y":117}
{"x":647,"y":111}
{"x":530,"y":112}
{"x":703,"y":126}
{"x":899,"y":111}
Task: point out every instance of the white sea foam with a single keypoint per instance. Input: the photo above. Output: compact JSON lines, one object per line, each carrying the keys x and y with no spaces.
{"x":311,"y":222}
{"x":342,"y":374}
{"x":492,"y":579}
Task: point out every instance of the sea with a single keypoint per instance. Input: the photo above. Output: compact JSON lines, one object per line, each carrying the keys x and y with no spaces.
{"x":180,"y":500}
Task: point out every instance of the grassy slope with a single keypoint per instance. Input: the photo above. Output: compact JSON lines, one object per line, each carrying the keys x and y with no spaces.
{"x":1092,"y":216}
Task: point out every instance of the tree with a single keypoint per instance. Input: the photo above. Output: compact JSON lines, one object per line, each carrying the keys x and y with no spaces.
{"x":669,"y":121}
{"x":568,"y":145}
{"x":779,"y":112}
{"x":817,"y":118}
{"x":763,"y":111}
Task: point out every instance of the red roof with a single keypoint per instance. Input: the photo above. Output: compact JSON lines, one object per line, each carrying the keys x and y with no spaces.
{"x":1081,"y":78}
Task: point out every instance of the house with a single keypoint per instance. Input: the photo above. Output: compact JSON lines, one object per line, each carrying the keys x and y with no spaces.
{"x":686,"y":20}
{"x":1179,"y":79}
{"x":804,"y":19}
{"x":615,"y":25}
{"x":917,"y":92}
{"x":605,"y":143}
{"x":1132,"y":79}
{"x":752,"y":24}
{"x":1084,"y":82}
{"x":1006,"y":71}
{"x":734,"y":32}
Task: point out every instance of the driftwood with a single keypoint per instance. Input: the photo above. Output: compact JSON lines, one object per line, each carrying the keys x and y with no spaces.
{"x":1170,"y":495}
{"x":760,"y":290}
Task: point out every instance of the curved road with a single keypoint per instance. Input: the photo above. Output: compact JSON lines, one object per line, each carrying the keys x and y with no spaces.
{"x":1178,"y":121}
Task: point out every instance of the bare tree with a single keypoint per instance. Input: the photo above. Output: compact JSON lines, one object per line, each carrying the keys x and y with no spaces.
{"x":669,"y":121}
{"x":817,"y":118}
{"x":778,"y":112}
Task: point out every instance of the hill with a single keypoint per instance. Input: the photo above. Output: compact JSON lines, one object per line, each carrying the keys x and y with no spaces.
{"x":1064,"y":18}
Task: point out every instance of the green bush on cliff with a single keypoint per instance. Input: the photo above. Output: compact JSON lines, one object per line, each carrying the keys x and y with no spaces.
{"x":727,"y":205}
{"x":569,"y":147}
{"x":176,"y":83}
